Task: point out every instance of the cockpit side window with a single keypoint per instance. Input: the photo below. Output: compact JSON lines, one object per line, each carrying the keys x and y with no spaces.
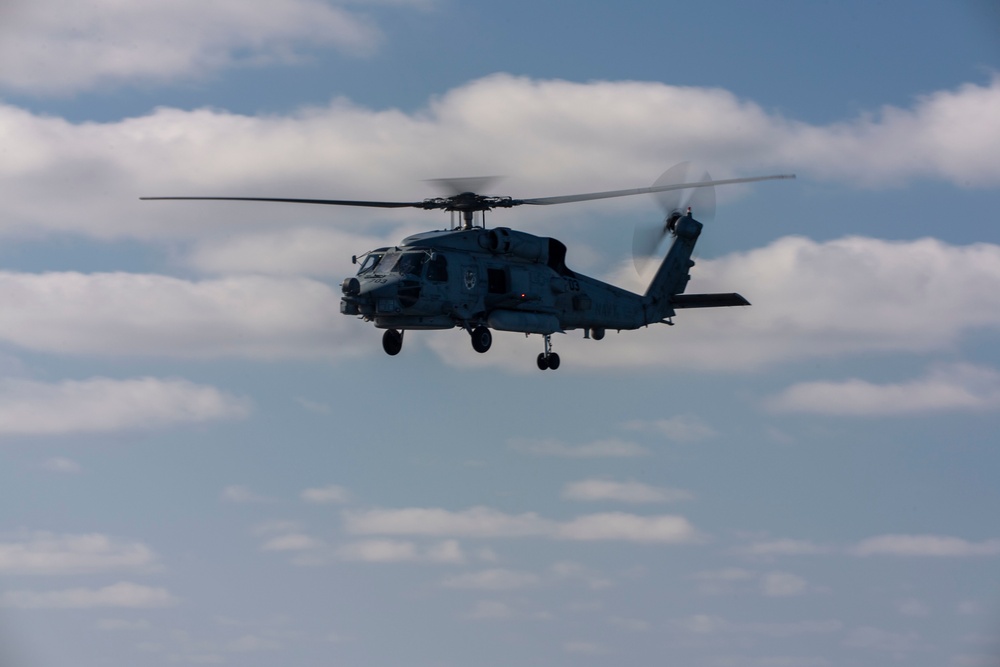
{"x":437,"y":269}
{"x":411,"y":263}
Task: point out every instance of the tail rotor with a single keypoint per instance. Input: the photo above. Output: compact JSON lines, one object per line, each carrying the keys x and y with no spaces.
{"x":698,"y":201}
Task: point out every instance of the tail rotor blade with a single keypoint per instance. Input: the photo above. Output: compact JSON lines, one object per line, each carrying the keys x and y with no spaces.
{"x":674,"y":202}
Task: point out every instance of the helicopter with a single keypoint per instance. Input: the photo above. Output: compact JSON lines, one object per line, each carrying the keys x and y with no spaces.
{"x":499,"y":279}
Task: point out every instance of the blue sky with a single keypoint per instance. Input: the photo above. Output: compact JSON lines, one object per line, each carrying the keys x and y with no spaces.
{"x":203,"y":462}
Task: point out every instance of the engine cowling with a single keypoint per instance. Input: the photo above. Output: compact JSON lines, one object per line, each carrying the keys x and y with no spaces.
{"x":504,"y":241}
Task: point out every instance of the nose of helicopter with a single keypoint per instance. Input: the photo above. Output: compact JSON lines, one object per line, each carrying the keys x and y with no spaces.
{"x":385,"y":294}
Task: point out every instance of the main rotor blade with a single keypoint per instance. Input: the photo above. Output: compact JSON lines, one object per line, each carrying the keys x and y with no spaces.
{"x":334,"y":202}
{"x":566,"y":199}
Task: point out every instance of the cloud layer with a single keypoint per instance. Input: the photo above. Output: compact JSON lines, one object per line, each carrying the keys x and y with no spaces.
{"x":811,"y":299}
{"x":570,"y":137}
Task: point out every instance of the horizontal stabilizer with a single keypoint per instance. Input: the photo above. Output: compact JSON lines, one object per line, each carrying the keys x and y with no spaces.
{"x":707,"y":300}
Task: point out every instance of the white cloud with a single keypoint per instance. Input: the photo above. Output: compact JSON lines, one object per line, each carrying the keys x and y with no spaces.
{"x":51,"y":553}
{"x":398,"y":551}
{"x":682,"y":428}
{"x":491,"y":609}
{"x":666,"y":529}
{"x":898,"y":644}
{"x":496,"y":579}
{"x":784,"y":547}
{"x":568,"y":570}
{"x":330,"y":494}
{"x":62,"y":465}
{"x":290,"y":252}
{"x":483,"y":522}
{"x":783,"y":584}
{"x":887,"y":288}
{"x":945,"y":388}
{"x":626,"y":492}
{"x":942,"y":546}
{"x":101,"y":405}
{"x":474,"y":522}
{"x":116,"y":624}
{"x":123,"y":594}
{"x":706,"y":624}
{"x":100,"y":42}
{"x":291,"y":542}
{"x":583,"y":647}
{"x":609,"y":448}
{"x":630,"y":129}
{"x":913,"y":607}
{"x":629,"y":624}
{"x":738,"y":580}
{"x":724,"y":581}
{"x":243,"y":495}
{"x":250,"y":643}
{"x":124,"y":314}
{"x":271,"y":527}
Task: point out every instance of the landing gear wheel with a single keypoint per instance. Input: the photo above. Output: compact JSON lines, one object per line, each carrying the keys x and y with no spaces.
{"x":548,"y":358}
{"x":481,"y":339}
{"x":392,"y":342}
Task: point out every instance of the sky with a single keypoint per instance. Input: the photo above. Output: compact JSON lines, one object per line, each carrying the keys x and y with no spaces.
{"x":203,"y":462}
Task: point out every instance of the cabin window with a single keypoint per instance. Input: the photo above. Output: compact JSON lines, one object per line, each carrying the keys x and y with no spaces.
{"x":437,"y":269}
{"x":497,"y":281}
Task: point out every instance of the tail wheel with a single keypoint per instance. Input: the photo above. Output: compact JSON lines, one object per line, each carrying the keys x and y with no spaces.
{"x":392,"y":342}
{"x":482,"y":339}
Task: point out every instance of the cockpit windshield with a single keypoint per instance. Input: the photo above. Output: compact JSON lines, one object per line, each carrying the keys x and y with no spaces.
{"x":406,"y":263}
{"x":372,"y":260}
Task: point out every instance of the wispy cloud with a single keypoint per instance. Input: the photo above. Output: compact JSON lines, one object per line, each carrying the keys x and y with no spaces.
{"x":52,"y":553}
{"x":899,"y":545}
{"x":243,"y":495}
{"x":399,"y":551}
{"x":122,"y":594}
{"x":682,"y":428}
{"x":625,"y":492}
{"x":101,"y":405}
{"x":473,"y":522}
{"x":770,"y":584}
{"x":610,"y":448}
{"x":483,"y":522}
{"x":953,"y":387}
{"x":326,"y":495}
{"x":496,"y":579}
{"x":62,"y":465}
{"x":934,"y":546}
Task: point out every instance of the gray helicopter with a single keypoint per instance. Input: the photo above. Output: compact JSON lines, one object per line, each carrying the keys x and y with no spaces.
{"x":501,"y":279}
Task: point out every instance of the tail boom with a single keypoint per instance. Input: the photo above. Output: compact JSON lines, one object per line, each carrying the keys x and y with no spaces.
{"x":666,"y":291}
